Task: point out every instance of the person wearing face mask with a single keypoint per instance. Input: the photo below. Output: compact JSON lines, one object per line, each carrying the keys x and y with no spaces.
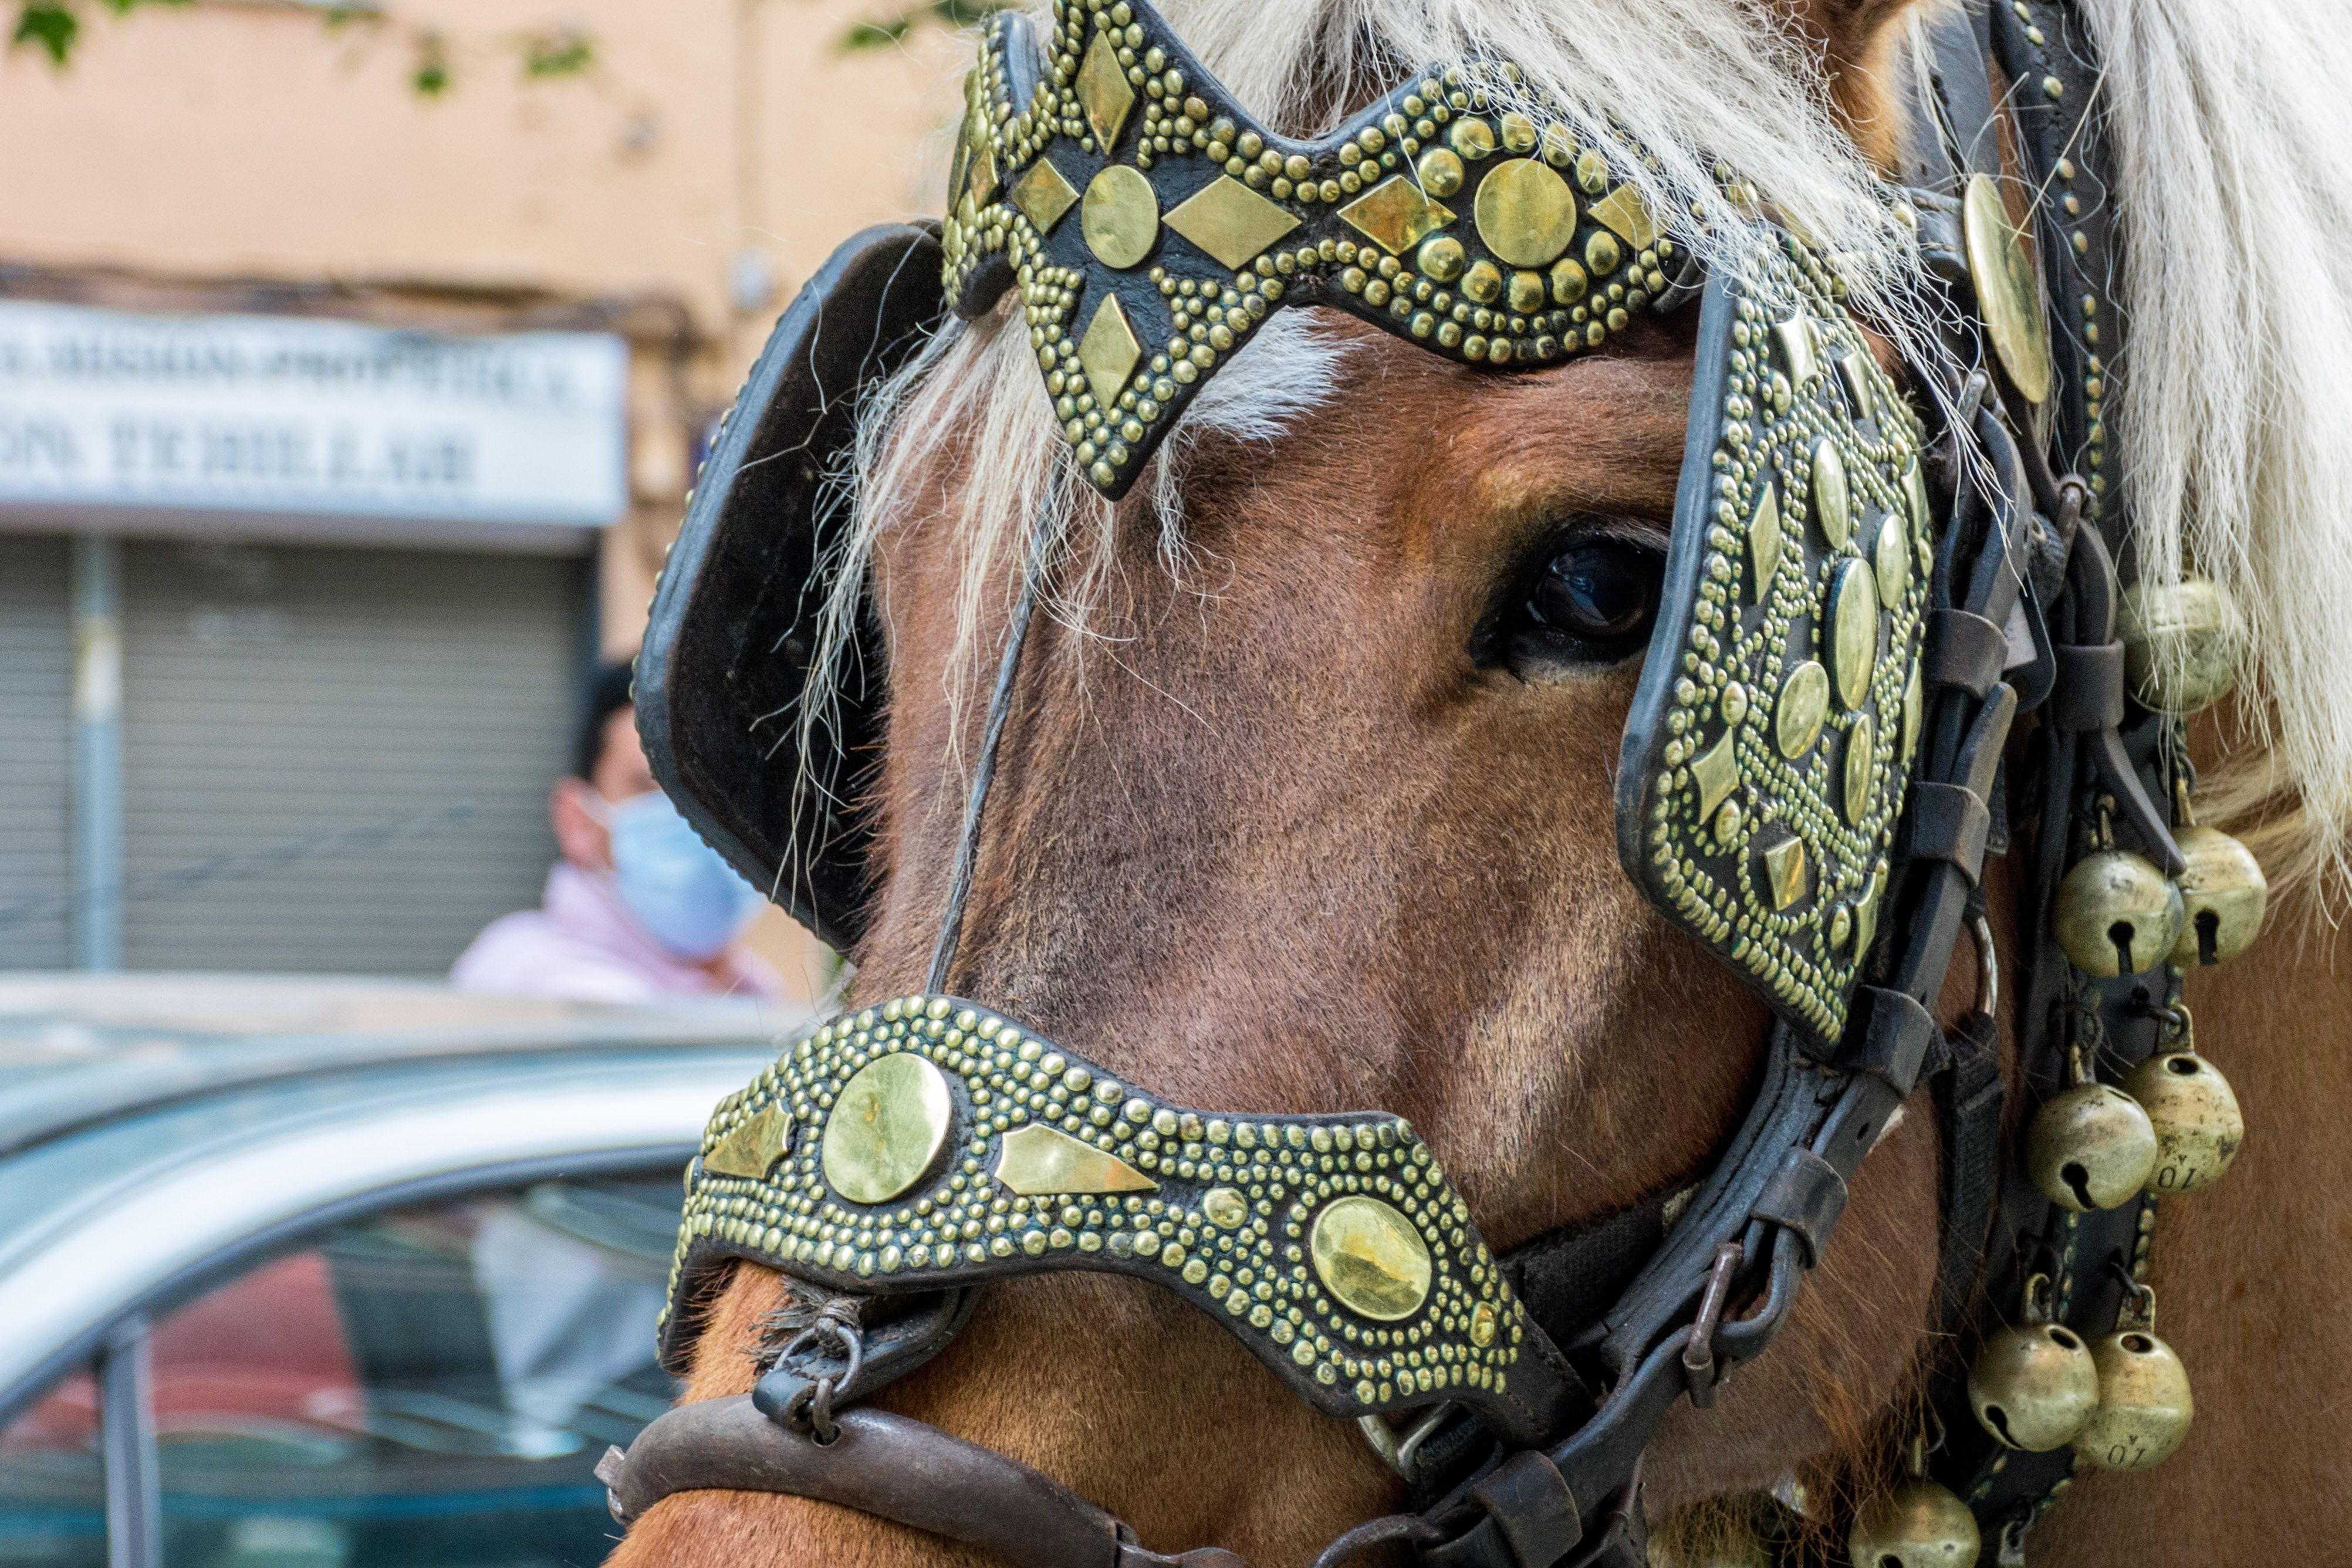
{"x":638,"y":907}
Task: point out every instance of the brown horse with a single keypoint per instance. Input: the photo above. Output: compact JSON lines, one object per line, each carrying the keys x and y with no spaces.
{"x":1304,"y":805}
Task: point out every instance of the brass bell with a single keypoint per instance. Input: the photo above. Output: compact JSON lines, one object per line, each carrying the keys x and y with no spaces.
{"x":2198,"y":1124}
{"x":2117,"y":914}
{"x":2091,"y":1147}
{"x":2033,"y":1387}
{"x":2222,"y":895}
{"x":2144,"y":1406}
{"x":1919,"y":1525}
{"x":2182,"y":643}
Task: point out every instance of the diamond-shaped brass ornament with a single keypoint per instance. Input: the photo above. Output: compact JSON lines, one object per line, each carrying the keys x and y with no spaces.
{"x":1108,"y":352}
{"x":1784,"y":869}
{"x":983,"y":174}
{"x":1042,"y":195}
{"x":754,"y":1147}
{"x":1230,"y":221}
{"x":1717,"y":772}
{"x":1104,"y":92}
{"x":1395,"y":215}
{"x":1038,"y":1159}
{"x":1628,"y":215}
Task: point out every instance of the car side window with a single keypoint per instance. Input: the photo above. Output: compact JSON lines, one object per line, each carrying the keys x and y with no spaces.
{"x":429,"y":1384}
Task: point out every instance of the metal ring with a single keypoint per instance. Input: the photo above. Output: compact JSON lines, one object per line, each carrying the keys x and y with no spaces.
{"x":1987,"y":967}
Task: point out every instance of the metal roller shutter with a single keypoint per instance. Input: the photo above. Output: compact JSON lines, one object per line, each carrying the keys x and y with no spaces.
{"x":345,"y":752}
{"x":35,"y":752}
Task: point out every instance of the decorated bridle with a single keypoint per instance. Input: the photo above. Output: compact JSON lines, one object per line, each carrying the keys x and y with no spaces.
{"x":1857,"y":608}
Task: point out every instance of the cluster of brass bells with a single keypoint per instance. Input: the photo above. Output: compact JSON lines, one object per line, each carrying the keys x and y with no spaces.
{"x":2171,"y":1129}
{"x":2117,"y":913}
{"x":2123,"y":1405}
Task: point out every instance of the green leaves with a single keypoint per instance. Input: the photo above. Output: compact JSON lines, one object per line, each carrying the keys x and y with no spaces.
{"x":545,"y":54}
{"x":887,"y":30}
{"x":48,"y":24}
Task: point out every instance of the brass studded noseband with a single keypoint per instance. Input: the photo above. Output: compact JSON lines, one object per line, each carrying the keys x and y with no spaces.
{"x":1809,"y":785}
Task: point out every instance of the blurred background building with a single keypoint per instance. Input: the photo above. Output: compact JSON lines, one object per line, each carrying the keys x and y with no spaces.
{"x":346,"y":411}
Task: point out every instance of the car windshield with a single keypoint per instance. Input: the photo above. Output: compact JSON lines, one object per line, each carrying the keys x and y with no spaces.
{"x":426,"y":1385}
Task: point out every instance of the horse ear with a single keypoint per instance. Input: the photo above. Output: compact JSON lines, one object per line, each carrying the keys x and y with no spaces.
{"x":1860,"y":45}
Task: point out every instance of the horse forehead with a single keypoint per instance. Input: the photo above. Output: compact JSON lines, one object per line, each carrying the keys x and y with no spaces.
{"x":1432,"y":454}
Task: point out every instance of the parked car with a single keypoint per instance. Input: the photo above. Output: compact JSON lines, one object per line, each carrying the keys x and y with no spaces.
{"x":298,"y":1274}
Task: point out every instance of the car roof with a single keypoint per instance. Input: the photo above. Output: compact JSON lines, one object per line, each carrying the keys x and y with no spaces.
{"x":152,"y":1143}
{"x":77,"y":1050}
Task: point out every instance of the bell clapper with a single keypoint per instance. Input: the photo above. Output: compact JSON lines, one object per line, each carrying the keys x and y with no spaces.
{"x":2145,"y":1405}
{"x":2091,"y":1146}
{"x":2033,"y":1384}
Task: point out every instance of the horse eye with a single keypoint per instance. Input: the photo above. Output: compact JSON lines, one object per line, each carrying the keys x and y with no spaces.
{"x":1589,"y":600}
{"x":1598,"y":590}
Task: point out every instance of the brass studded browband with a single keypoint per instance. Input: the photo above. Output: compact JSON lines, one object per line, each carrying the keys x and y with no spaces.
{"x":1151,"y":224}
{"x":928,"y":1143}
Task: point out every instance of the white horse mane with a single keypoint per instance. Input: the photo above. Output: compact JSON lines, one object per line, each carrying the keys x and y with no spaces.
{"x":2233,"y":132}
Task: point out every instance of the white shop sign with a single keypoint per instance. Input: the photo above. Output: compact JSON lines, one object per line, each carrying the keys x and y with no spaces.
{"x":124,"y":414}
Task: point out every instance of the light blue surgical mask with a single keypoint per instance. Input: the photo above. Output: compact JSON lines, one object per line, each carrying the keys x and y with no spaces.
{"x":681,"y":893}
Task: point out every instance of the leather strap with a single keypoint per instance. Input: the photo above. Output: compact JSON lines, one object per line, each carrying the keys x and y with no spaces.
{"x":1948,"y":822}
{"x":892,"y":1467}
{"x":1806,"y":1196}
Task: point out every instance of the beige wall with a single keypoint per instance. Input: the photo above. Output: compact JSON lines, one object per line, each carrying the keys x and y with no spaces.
{"x":241,"y":156}
{"x":247,"y":140}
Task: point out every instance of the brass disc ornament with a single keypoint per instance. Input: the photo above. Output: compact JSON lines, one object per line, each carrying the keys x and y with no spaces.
{"x":2008,"y":291}
{"x":886,"y":1128}
{"x":1372,"y":1257}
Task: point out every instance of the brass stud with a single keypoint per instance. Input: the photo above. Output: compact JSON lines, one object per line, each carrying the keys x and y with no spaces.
{"x":1441,"y":171}
{"x":1803,"y":705}
{"x":1601,"y":253}
{"x":2009,"y":293}
{"x":1592,"y":172}
{"x":1225,"y":1208}
{"x":1474,"y":139}
{"x":1568,"y":280}
{"x":1482,"y":282}
{"x":1525,"y":292}
{"x":886,"y":1128}
{"x":1121,"y":217}
{"x":1370,"y":1257}
{"x":1440,"y":258}
{"x":1036,"y":1159}
{"x":1518,"y":133}
{"x":1230,"y":221}
{"x":1525,"y":212}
